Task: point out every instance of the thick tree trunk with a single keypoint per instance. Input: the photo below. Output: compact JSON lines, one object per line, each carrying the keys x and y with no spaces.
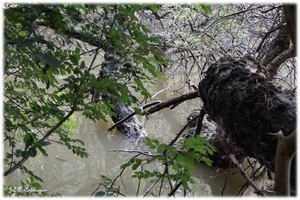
{"x":290,"y":14}
{"x":249,"y":108}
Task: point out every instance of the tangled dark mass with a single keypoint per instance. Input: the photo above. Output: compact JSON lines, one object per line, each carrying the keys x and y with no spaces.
{"x":249,"y":108}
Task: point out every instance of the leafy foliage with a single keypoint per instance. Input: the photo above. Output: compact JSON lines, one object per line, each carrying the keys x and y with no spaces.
{"x":179,"y":165}
{"x":109,"y":189}
{"x":47,"y":80}
{"x":53,"y":53}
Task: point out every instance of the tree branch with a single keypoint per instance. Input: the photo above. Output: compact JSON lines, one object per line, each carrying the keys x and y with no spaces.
{"x":182,"y":130}
{"x":152,"y":185}
{"x":286,"y":149}
{"x":175,"y":189}
{"x":146,"y":153}
{"x":75,"y":35}
{"x":274,"y":65}
{"x":199,"y":122}
{"x":159,"y":106}
{"x":244,"y":174}
{"x":21,"y":162}
{"x":175,"y":100}
{"x":266,"y":36}
{"x":231,"y":15}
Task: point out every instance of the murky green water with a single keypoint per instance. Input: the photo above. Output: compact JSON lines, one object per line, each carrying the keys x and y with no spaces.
{"x":67,"y":174}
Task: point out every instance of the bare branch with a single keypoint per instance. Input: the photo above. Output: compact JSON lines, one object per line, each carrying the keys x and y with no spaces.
{"x":244,"y":174}
{"x":175,"y":189}
{"x":182,"y":130}
{"x":152,"y":185}
{"x":267,"y":35}
{"x":274,"y":65}
{"x":175,"y":100}
{"x":146,"y":153}
{"x":199,"y":123}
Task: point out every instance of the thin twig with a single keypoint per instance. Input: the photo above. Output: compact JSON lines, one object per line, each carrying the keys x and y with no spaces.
{"x":146,"y":153}
{"x":199,"y":122}
{"x":170,"y":102}
{"x":152,"y":185}
{"x":160,"y":187}
{"x":175,"y":189}
{"x":230,"y":15}
{"x":139,"y":183}
{"x":267,"y":35}
{"x":120,"y":175}
{"x":225,"y":181}
{"x":96,"y":189}
{"x":182,"y":130}
{"x":241,"y":189}
{"x":21,"y":162}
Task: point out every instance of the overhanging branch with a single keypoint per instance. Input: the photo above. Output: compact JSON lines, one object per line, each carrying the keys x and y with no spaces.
{"x":75,"y":35}
{"x":274,"y":65}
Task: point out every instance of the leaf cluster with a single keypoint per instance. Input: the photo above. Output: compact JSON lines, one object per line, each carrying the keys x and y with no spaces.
{"x":179,"y":164}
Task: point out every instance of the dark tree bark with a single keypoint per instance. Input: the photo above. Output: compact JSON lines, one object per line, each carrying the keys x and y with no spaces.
{"x":277,"y":51}
{"x":290,"y":14}
{"x":278,"y":45}
{"x":249,"y":108}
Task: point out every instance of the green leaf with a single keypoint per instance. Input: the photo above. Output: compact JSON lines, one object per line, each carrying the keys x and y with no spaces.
{"x":206,"y":8}
{"x":25,"y":154}
{"x":210,"y":151}
{"x":127,"y":164}
{"x":45,"y":143}
{"x":153,"y":7}
{"x":43,"y":151}
{"x":36,"y":185}
{"x":185,"y":179}
{"x":18,"y":152}
{"x":74,"y":59}
{"x":162,"y":147}
{"x":100,"y":194}
{"x":206,"y":160}
{"x":137,"y":7}
{"x":32,"y":151}
{"x":137,"y":163}
{"x":149,"y":143}
{"x":28,"y":139}
{"x":138,"y":111}
{"x":34,"y":176}
{"x":106,"y":6}
{"x":189,"y":164}
{"x":77,"y":50}
{"x":175,"y":166}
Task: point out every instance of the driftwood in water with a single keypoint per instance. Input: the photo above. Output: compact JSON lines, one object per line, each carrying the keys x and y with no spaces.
{"x":249,"y":108}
